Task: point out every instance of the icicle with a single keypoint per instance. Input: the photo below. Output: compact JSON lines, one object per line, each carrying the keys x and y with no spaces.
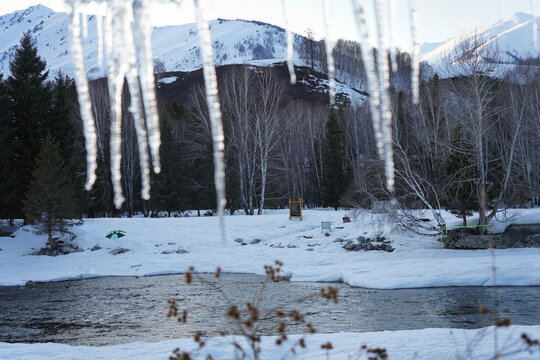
{"x":117,"y":69}
{"x":87,"y":116}
{"x":415,"y":63}
{"x":142,"y":35}
{"x":392,"y":47}
{"x":534,"y":29}
{"x":123,"y":43}
{"x":329,"y":53}
{"x":84,"y":18}
{"x":290,"y":42}
{"x":212,"y":100}
{"x":99,"y":31}
{"x":372,"y":85}
{"x":136,"y":106}
{"x":384,"y":85}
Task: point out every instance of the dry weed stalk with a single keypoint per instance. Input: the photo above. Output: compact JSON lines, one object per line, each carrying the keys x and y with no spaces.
{"x":247,"y":319}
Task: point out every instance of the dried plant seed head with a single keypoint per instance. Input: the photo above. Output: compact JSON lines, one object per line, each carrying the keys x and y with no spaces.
{"x":173,"y":309}
{"x":483,"y":309}
{"x":184,"y":316}
{"x":187,"y":277}
{"x":253,"y":311}
{"x":302,"y":343}
{"x":218,"y":273}
{"x":530,"y":342}
{"x":503,"y":322}
{"x":295,"y":315}
{"x":191,"y":268}
{"x":329,"y":293}
{"x":327,"y":346}
{"x":232,"y":312}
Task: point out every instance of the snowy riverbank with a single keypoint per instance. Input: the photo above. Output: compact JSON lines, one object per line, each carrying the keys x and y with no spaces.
{"x":426,"y":344}
{"x":171,"y":245}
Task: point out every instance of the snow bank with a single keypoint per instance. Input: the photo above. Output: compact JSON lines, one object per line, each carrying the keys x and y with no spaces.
{"x":171,"y":245}
{"x":407,"y":344}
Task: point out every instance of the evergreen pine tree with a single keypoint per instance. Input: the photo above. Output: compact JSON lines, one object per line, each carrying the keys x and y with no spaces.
{"x":50,"y":196}
{"x":167,"y":186}
{"x":62,"y":126}
{"x":9,"y":202}
{"x":60,"y":123}
{"x":30,"y":100}
{"x":460,"y":191}
{"x":333,"y":163}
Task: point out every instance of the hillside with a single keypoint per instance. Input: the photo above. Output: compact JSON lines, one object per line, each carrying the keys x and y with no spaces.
{"x":234,"y":42}
{"x":513,"y":37}
{"x":311,"y":87}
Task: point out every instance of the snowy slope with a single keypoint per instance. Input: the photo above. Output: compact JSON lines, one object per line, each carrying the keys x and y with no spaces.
{"x":234,"y":42}
{"x":513,"y":37}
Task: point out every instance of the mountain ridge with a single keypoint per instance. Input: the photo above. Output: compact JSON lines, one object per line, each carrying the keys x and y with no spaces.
{"x":177,"y":46}
{"x":512,"y":37}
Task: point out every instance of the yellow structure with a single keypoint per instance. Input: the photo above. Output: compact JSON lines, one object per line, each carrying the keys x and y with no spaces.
{"x":295,"y":209}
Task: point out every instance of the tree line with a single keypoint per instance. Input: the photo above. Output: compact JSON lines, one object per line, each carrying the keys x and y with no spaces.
{"x":472,"y":144}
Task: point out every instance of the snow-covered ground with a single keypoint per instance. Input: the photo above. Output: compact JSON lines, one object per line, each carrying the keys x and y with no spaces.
{"x":171,"y":245}
{"x":429,"y":344}
{"x":156,"y":246}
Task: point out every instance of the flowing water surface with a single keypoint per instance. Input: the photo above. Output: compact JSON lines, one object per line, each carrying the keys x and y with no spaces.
{"x":114,"y":310}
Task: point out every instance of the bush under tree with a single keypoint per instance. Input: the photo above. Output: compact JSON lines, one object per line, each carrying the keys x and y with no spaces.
{"x":50,"y":199}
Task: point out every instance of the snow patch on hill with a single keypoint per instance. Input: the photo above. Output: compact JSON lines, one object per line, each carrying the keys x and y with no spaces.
{"x":234,"y":42}
{"x":513,"y":37}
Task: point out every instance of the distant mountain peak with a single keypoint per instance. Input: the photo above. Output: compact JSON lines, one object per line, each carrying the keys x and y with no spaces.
{"x":520,"y":17}
{"x":513,"y":37}
{"x":233,"y":41}
{"x":34,"y":10}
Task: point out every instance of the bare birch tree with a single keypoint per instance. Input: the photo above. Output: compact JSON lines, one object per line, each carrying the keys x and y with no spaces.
{"x":267,"y":117}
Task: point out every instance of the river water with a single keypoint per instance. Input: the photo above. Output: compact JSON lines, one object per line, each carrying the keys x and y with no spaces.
{"x":114,"y":310}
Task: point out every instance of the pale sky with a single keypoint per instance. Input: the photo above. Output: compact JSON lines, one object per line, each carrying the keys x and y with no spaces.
{"x":438,"y":20}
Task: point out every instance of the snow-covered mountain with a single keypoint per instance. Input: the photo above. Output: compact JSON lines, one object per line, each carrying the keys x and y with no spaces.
{"x":513,"y":37}
{"x":234,"y":42}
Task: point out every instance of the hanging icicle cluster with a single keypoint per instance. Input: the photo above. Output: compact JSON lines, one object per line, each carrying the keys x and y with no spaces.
{"x":126,"y":24}
{"x":129,"y":58}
